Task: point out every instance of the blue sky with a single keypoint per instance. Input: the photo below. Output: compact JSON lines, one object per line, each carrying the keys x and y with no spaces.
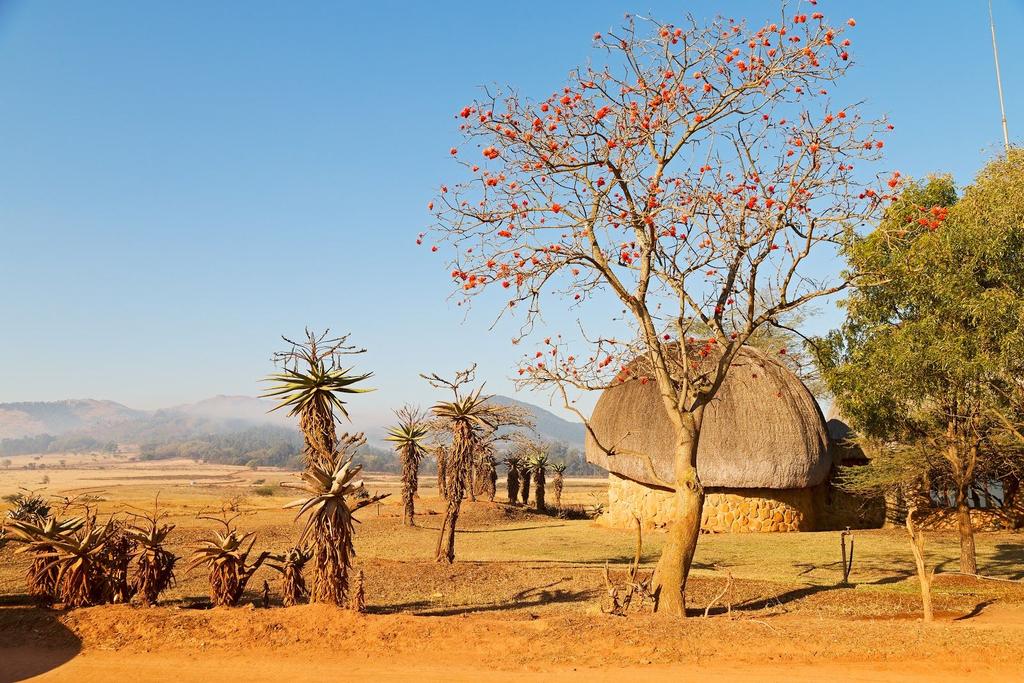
{"x":180,"y":183}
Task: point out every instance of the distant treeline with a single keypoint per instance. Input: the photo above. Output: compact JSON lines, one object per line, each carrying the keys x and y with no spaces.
{"x":46,"y":443}
{"x":276,"y":447}
{"x":262,"y":446}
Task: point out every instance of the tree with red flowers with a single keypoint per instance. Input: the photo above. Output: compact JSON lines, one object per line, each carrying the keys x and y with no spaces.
{"x":698,"y":177}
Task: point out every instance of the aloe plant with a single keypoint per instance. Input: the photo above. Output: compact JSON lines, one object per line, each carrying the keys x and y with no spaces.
{"x":310,"y":385}
{"x":409,"y":437}
{"x":539,"y":466}
{"x":514,"y":465}
{"x":332,"y":497}
{"x":154,"y":564}
{"x":226,"y":556}
{"x":290,"y":565}
{"x":558,"y":482}
{"x":37,"y":537}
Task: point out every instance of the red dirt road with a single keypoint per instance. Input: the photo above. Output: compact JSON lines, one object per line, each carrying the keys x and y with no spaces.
{"x":310,"y":643}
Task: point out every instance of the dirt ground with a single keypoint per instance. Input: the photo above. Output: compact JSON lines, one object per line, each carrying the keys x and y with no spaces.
{"x":523,"y":601}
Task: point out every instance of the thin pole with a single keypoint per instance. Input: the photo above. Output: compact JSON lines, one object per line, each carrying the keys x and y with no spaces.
{"x":999,"y":80}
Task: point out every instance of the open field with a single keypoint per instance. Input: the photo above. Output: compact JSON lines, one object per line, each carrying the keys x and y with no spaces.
{"x":526,"y":593}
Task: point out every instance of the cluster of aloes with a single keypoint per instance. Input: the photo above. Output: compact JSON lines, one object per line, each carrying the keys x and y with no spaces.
{"x":525,"y":471}
{"x":79,"y":562}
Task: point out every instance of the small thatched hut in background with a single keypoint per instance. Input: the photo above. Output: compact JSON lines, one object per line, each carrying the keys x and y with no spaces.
{"x":764,"y":455}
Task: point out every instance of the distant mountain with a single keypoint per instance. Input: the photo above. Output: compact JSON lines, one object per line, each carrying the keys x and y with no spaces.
{"x":60,"y":417}
{"x":217,"y":415}
{"x":242,"y":408}
{"x":549,"y":426}
{"x":223,"y":429}
{"x":110,"y":420}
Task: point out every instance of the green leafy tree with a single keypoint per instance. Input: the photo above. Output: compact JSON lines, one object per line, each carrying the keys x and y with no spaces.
{"x":933,"y":347}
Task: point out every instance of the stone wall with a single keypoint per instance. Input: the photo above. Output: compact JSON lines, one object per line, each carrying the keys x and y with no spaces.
{"x":835,"y":510}
{"x":735,"y":510}
{"x":746,"y":510}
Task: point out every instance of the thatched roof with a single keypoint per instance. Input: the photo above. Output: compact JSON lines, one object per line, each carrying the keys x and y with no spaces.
{"x":845,"y":451}
{"x":763,"y":430}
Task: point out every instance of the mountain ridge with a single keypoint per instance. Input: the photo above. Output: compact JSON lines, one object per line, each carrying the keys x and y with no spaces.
{"x":218,"y":414}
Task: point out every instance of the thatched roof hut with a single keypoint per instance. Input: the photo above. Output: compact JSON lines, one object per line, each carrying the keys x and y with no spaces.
{"x":764,"y":429}
{"x":845,"y":450}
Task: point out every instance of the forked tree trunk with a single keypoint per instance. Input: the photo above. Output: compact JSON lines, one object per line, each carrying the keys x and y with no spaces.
{"x":923,"y":576}
{"x":669,"y":581}
{"x":676,"y":557}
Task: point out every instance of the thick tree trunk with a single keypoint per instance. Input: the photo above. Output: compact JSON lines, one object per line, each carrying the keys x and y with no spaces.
{"x":539,"y":484}
{"x":673,"y":568}
{"x":524,"y":486}
{"x":669,"y":581}
{"x":968,"y":559}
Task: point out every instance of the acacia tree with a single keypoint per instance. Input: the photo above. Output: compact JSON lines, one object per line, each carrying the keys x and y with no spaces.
{"x":903,"y":471}
{"x":690,"y":176}
{"x":932,"y":350}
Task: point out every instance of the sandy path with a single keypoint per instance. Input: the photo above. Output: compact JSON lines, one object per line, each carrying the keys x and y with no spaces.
{"x":317,"y":642}
{"x":103,"y":667}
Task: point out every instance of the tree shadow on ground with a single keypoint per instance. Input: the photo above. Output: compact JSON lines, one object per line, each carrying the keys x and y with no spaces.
{"x":978,"y":609}
{"x":1008,"y":560}
{"x":33,"y":641}
{"x":495,"y":530}
{"x":525,"y":599}
{"x":766,"y":602}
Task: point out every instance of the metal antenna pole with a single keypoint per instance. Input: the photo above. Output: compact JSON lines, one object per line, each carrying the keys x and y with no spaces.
{"x":999,"y":80}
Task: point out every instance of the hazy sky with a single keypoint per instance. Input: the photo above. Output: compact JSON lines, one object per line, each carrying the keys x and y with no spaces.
{"x":182,"y":182}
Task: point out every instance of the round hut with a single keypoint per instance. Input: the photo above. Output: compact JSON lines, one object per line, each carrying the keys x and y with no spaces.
{"x":763,"y":455}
